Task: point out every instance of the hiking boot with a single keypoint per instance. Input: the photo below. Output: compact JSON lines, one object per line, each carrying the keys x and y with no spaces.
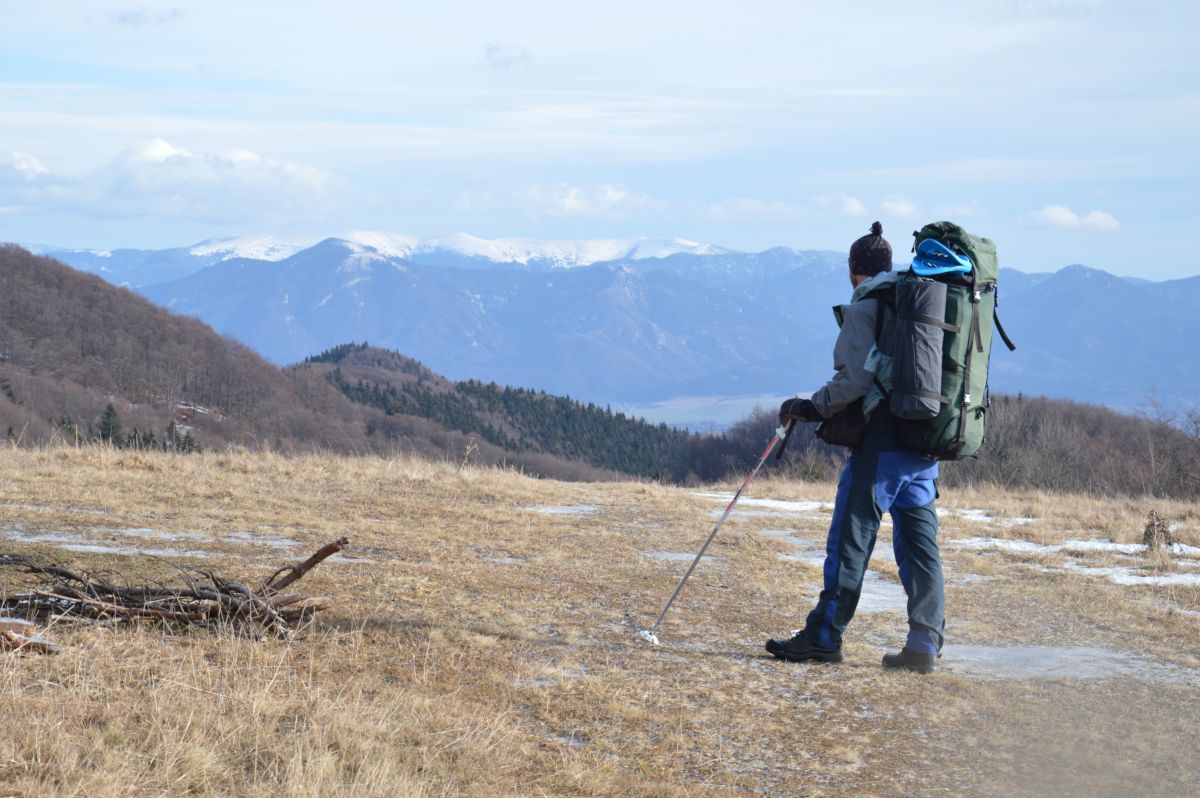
{"x":909,"y":660}
{"x":799,"y":648}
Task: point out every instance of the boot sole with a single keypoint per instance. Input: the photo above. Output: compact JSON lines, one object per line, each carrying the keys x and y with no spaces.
{"x":922,"y":669}
{"x":779,"y":653}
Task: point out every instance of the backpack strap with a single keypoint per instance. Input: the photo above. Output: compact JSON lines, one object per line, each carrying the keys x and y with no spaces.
{"x":1003,"y":335}
{"x":881,"y":306}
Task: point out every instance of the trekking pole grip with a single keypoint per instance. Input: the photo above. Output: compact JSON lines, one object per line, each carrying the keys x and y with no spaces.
{"x":787,"y":436}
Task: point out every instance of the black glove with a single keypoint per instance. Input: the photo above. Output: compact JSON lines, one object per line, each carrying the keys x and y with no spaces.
{"x":798,"y":410}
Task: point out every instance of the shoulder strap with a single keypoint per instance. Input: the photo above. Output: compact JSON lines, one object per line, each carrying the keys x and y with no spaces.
{"x":885,"y":300}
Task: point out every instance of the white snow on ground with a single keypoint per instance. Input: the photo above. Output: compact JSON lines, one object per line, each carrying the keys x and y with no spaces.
{"x":983,"y":516}
{"x":566,"y":509}
{"x":1085,"y":546}
{"x":769,"y":505}
{"x":118,"y":541}
{"x":999,"y":544}
{"x":677,"y":556}
{"x":878,"y":594}
{"x":1060,"y":662}
{"x":749,"y":507}
{"x":1127,"y":575}
{"x":786,"y":535}
{"x":77,"y":543}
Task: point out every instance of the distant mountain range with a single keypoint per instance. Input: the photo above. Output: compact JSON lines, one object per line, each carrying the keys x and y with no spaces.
{"x":82,"y":361}
{"x":639,"y":321}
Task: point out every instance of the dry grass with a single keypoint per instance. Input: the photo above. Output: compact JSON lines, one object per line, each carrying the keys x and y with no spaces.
{"x":481,"y":648}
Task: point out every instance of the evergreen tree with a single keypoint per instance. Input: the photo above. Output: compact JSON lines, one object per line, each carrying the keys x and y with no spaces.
{"x":110,"y":426}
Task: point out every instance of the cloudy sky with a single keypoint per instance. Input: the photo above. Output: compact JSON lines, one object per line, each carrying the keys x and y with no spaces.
{"x":1066,"y":130}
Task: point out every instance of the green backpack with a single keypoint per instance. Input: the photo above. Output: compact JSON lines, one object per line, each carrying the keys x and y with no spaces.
{"x":945,"y":311}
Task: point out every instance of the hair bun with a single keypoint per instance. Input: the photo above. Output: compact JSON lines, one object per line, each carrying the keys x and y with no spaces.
{"x":876,"y":229}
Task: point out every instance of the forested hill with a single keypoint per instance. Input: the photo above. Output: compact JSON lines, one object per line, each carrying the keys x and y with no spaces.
{"x":71,"y":345}
{"x":515,"y":419}
{"x":83,"y":361}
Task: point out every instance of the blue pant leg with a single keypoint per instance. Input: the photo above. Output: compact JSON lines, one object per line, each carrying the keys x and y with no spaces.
{"x":914,"y":539}
{"x":851,"y":539}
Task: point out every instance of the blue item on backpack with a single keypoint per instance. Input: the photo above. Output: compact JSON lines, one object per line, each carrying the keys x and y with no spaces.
{"x":933,"y":258}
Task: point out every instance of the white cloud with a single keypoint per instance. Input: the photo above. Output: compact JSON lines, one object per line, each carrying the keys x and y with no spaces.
{"x":750,"y":208}
{"x":962,"y":209}
{"x":156,"y":179}
{"x":141,"y":18}
{"x":1060,"y":217}
{"x":1099,"y":220}
{"x":842,"y":203}
{"x":27,"y":165}
{"x":502,"y":55}
{"x":605,"y":200}
{"x":473,"y":201}
{"x":899,"y":206}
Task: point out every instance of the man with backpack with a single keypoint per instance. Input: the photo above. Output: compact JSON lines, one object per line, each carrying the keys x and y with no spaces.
{"x":881,"y":475}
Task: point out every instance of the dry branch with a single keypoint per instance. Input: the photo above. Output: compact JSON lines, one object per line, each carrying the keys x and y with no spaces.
{"x":204,"y":597}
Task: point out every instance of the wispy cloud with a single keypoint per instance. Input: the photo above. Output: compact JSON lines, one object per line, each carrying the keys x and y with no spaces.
{"x":842,"y":203}
{"x":27,"y":165}
{"x":140,"y":18}
{"x":1060,"y":217}
{"x":738,"y":208}
{"x":600,"y":201}
{"x":959,"y":210}
{"x":155,"y":179}
{"x":754,"y":209}
{"x":900,"y":206}
{"x":502,"y":55}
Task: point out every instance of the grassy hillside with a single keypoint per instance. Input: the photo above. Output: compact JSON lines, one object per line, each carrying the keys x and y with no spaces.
{"x":71,"y":345}
{"x":481,"y":640}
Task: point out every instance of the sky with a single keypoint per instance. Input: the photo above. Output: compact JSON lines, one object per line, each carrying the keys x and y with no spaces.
{"x":1065,"y":130}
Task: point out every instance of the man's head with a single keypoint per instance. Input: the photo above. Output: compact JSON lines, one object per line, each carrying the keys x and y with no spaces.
{"x":870,"y":255}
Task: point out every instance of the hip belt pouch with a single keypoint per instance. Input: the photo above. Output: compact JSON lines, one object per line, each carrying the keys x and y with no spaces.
{"x":917,"y":363}
{"x":844,"y":428}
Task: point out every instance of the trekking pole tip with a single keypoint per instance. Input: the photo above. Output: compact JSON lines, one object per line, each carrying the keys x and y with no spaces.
{"x":649,"y":637}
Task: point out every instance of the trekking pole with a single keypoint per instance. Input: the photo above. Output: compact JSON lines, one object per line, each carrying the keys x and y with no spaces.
{"x":651,"y":635}
{"x":787,"y":436}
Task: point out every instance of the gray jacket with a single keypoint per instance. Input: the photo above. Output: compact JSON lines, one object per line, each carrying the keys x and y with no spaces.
{"x":855,"y":357}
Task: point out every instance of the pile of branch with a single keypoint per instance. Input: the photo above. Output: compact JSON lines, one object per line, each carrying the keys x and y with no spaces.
{"x":53,"y":591}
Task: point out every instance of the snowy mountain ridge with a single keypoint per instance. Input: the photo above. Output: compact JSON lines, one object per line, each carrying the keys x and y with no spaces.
{"x":523,"y":251}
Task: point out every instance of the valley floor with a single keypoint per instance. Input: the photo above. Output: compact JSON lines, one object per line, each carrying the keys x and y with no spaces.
{"x":482,"y":640}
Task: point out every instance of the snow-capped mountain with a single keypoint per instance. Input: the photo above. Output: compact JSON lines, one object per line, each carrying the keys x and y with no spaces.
{"x":139,"y":267}
{"x":256,"y":247}
{"x":639,"y":320}
{"x":523,"y":251}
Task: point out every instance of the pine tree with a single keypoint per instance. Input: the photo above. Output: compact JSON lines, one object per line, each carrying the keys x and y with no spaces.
{"x":110,"y":426}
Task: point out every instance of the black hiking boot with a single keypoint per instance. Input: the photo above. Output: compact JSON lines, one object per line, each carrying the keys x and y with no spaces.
{"x":909,"y":660}
{"x":799,"y":648}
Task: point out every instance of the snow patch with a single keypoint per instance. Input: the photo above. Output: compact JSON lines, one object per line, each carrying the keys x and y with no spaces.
{"x":769,"y":505}
{"x":1060,"y":662}
{"x":254,"y":247}
{"x":676,"y":556}
{"x":560,"y":254}
{"x":1081,"y":546}
{"x":1126,"y":575}
{"x":566,"y":509}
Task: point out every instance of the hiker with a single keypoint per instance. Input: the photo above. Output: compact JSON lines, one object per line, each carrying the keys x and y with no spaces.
{"x":880,"y":475}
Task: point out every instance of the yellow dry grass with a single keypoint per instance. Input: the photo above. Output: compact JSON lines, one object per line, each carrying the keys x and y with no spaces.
{"x":478,"y":647}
